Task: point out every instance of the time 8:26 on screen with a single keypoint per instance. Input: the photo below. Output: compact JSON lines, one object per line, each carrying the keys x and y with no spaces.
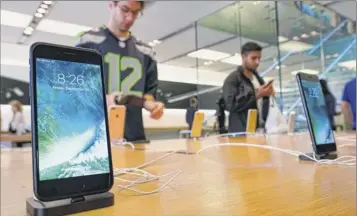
{"x":64,"y":75}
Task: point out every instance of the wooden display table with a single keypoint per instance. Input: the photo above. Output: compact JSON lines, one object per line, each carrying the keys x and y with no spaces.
{"x":239,"y":181}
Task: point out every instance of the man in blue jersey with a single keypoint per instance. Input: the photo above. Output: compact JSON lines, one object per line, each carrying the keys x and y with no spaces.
{"x":348,"y":106}
{"x":129,"y":67}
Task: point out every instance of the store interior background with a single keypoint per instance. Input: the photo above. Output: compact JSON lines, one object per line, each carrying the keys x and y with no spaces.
{"x":197,"y":44}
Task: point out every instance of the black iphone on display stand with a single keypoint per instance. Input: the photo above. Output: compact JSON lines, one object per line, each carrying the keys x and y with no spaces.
{"x":70,"y":135}
{"x":320,"y":128}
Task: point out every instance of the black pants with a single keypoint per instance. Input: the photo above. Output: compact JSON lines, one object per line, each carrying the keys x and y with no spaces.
{"x":14,"y":131}
{"x":221,"y":124}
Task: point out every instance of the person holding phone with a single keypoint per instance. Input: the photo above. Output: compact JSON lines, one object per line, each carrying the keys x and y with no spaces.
{"x":129,"y":66}
{"x":244,"y":89}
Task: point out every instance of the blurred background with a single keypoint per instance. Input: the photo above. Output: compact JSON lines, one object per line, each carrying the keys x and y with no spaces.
{"x":197,"y":44}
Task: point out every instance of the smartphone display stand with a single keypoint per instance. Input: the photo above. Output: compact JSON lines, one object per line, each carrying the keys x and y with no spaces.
{"x":69,"y":206}
{"x":328,"y":156}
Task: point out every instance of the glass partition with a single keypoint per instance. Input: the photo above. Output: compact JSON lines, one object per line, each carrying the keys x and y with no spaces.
{"x":296,"y":36}
{"x":320,"y":39}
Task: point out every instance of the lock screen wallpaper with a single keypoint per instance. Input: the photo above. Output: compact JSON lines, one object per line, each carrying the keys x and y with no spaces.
{"x":72,"y":138}
{"x":318,"y":112}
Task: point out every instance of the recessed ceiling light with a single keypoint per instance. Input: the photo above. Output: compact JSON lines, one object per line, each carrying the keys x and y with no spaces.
{"x":13,"y":62}
{"x":296,"y":38}
{"x":234,"y":60}
{"x":156,"y":41}
{"x":305,"y":35}
{"x":41,"y":10}
{"x":44,"y":6}
{"x":47,"y":2}
{"x":28,"y":30}
{"x":314,"y":33}
{"x":282,"y":39}
{"x":38,"y":15}
{"x":208,"y":63}
{"x":307,"y":71}
{"x":208,"y":54}
{"x":295,"y":46}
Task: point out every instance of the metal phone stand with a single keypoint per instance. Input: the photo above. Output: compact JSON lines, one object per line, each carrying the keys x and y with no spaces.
{"x":69,"y":206}
{"x":328,"y":156}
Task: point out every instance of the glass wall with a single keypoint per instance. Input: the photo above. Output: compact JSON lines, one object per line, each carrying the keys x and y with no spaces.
{"x":295,"y":36}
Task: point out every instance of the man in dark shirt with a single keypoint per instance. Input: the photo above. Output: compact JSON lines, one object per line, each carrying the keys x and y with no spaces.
{"x":221,"y":116}
{"x":190,"y":112}
{"x":129,"y":67}
{"x":244,"y":89}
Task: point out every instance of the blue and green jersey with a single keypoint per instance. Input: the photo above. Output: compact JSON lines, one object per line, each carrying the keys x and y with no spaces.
{"x":129,"y":67}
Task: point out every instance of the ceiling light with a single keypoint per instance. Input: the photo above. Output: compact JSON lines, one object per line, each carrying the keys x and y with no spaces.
{"x":151,"y":44}
{"x":282,"y":39}
{"x":348,"y":64}
{"x":208,"y":54}
{"x":307,"y":71}
{"x":47,"y":2}
{"x":305,"y":35}
{"x":38,"y":15}
{"x":296,"y":38}
{"x":14,"y":62}
{"x":328,"y":56}
{"x":256,"y":2}
{"x":62,"y":28}
{"x":208,"y":63}
{"x":14,"y":19}
{"x":234,"y":60}
{"x":295,"y":46}
{"x":156,"y":42}
{"x":335,"y":55}
{"x":41,"y":10}
{"x":44,"y":6}
{"x":314,"y":33}
{"x":28,"y":30}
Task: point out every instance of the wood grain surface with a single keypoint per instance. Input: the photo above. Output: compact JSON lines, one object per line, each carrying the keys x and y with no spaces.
{"x":219,"y":181}
{"x":7,"y":137}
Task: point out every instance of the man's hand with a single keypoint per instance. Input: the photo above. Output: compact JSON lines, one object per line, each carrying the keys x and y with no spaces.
{"x":155,"y":108}
{"x":265,"y":91}
{"x":111,"y":98}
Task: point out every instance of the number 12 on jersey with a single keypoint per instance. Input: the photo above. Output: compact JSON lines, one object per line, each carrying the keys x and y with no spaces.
{"x":116,"y":65}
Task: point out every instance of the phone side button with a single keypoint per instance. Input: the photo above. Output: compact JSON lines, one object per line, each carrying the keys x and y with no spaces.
{"x":29,"y":91}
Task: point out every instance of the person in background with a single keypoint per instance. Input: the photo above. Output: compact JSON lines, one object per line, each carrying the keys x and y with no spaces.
{"x":330,"y":102}
{"x":348,"y":105}
{"x":129,"y":65}
{"x":17,"y":123}
{"x":190,"y":112}
{"x":221,"y":116}
{"x":244,"y":89}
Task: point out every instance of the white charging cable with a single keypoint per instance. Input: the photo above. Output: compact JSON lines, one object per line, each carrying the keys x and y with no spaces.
{"x":144,"y":176}
{"x":123,"y":142}
{"x":350,"y":162}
